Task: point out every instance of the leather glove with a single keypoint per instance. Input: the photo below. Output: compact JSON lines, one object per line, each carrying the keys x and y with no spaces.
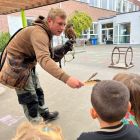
{"x":60,"y":51}
{"x":68,"y":46}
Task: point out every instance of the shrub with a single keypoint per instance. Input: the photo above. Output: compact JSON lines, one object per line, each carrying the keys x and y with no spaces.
{"x":4,"y":38}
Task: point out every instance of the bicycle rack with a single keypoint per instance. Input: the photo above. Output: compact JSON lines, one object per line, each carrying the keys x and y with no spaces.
{"x":121,"y":51}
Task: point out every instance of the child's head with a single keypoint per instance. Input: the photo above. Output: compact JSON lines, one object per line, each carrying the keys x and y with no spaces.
{"x":28,"y":131}
{"x":132,"y":81}
{"x":110,"y":100}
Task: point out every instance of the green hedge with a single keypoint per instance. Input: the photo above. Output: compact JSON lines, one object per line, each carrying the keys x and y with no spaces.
{"x":4,"y":38}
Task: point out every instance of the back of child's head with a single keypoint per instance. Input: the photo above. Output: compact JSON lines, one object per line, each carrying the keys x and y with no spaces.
{"x":110,"y":100}
{"x":28,"y":131}
{"x":132,"y":81}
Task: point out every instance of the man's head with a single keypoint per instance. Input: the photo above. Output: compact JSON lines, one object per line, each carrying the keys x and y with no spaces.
{"x":56,"y":20}
{"x":110,"y":100}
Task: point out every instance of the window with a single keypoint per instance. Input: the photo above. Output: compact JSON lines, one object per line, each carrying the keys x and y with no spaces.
{"x":93,"y":3}
{"x":116,"y":33}
{"x":134,"y":7}
{"x":93,"y":29}
{"x":111,"y":4}
{"x":107,"y":33}
{"x":85,"y":32}
{"x":108,"y":25}
{"x":124,"y":29}
{"x":137,"y":8}
{"x":104,"y":4}
{"x":125,"y":6}
{"x":118,"y":5}
{"x":91,"y":32}
{"x":86,"y":1}
{"x":130,"y":7}
{"x":124,"y":33}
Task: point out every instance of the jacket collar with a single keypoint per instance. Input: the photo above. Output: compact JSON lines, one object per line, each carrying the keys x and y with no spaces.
{"x":40,"y":22}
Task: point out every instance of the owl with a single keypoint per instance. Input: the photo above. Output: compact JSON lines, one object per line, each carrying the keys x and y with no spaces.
{"x":69,"y":32}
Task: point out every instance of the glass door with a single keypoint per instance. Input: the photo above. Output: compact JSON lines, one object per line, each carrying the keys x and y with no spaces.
{"x":107,"y":36}
{"x":104,"y":36}
{"x":107,"y":33}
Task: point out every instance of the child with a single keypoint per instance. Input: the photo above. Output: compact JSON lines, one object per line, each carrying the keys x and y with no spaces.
{"x":110,"y":101}
{"x":132,"y":81}
{"x":28,"y":131}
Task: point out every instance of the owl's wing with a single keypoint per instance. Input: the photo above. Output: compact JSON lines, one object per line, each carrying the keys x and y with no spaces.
{"x":70,"y":33}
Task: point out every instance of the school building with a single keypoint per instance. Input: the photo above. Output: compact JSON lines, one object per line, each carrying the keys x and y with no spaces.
{"x":114,"y":21}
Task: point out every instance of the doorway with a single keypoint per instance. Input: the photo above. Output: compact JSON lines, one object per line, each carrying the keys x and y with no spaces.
{"x":107,"y":33}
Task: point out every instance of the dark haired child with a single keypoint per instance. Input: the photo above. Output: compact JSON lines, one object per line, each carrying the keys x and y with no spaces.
{"x":110,"y":101}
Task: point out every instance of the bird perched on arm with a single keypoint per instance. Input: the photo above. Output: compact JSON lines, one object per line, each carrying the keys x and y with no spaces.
{"x":69,"y":32}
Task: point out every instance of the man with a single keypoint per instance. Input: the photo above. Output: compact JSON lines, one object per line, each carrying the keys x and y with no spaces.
{"x":26,"y":48}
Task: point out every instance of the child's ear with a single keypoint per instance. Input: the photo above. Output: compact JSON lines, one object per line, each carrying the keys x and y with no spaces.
{"x":93,"y":113}
{"x":129,"y":107}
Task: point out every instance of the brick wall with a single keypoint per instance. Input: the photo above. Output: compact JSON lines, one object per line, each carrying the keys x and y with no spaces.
{"x":70,"y":7}
{"x":135,"y":2}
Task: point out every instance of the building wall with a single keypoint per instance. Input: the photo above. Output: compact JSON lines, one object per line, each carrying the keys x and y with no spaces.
{"x":134,"y":19}
{"x":69,"y":6}
{"x":120,"y":6}
{"x":135,"y":2}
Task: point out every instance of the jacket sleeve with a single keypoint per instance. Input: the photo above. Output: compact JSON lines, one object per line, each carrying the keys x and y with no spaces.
{"x":40,"y":43}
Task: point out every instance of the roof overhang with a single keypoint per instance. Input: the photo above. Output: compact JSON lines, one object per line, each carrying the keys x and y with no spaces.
{"x":12,"y":6}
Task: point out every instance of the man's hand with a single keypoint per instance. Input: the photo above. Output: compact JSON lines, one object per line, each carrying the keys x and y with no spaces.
{"x":74,"y":83}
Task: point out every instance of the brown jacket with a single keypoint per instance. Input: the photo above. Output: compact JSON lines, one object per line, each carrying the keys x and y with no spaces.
{"x":29,"y":46}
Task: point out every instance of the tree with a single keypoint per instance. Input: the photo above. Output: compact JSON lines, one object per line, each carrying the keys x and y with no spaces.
{"x":4,"y":38}
{"x":81,"y":21}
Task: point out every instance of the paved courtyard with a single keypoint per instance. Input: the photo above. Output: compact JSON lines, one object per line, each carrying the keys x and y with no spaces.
{"x":72,"y":104}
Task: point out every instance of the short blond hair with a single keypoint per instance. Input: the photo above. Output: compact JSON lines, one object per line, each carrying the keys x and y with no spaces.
{"x":28,"y":131}
{"x":53,"y":13}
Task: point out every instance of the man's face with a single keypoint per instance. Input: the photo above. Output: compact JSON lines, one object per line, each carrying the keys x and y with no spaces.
{"x":57,"y":25}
